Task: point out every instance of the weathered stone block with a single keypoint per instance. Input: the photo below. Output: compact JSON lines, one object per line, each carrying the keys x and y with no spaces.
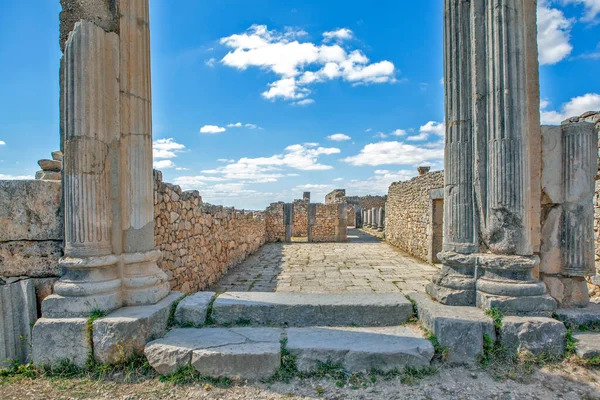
{"x":588,"y":344}
{"x":576,"y":317}
{"x":55,"y":340}
{"x":126,"y":331}
{"x":30,"y":210}
{"x":194,"y":309}
{"x":18,"y":313}
{"x":35,"y":259}
{"x":534,"y":334}
{"x":552,"y":168}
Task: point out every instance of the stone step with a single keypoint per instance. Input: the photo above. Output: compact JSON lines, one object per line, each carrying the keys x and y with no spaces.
{"x":588,"y":344}
{"x":255,"y":353}
{"x":311,"y":309}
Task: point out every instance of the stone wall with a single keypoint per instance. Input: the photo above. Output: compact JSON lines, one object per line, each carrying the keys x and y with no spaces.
{"x":200,"y":242}
{"x":336,"y":197}
{"x":409,"y":214}
{"x":367,"y":202}
{"x":274,"y":226}
{"x":330,"y":223}
{"x":300,"y":218}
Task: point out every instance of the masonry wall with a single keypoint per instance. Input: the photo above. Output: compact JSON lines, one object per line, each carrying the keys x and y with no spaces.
{"x":300,"y":218}
{"x":367,"y":202}
{"x":409,"y":214}
{"x":200,"y":242}
{"x":330,"y":223}
{"x":274,"y":226}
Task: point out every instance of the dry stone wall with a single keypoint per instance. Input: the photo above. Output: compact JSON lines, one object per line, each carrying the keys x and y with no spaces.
{"x":300,"y":218}
{"x":274,"y":226}
{"x":330,"y":223}
{"x":408,"y":214}
{"x":200,"y":242}
{"x":367,"y":202}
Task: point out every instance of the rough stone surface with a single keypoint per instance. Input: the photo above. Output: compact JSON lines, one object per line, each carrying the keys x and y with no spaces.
{"x":576,"y":317}
{"x":299,"y":309}
{"x":274,"y":221}
{"x":588,"y":344}
{"x":126,"y":331}
{"x":57,"y":339}
{"x":533,"y":334}
{"x":243,"y":352}
{"x":460,"y":329}
{"x":30,"y":210}
{"x":408,"y":214}
{"x":18,"y":312}
{"x":50,"y":165}
{"x":199,"y":242}
{"x":102,"y":13}
{"x":30,"y":258}
{"x":194,"y":309}
{"x":359,"y":349}
{"x":330,"y":223}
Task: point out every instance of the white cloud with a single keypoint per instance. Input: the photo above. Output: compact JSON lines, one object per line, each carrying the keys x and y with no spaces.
{"x":339,"y":137}
{"x":166,"y":148}
{"x":437,"y":128}
{"x":5,"y":177}
{"x":380,"y":135}
{"x":164,"y":164}
{"x":573,"y":108}
{"x":182,"y":169}
{"x":210,"y":62}
{"x":290,"y":60}
{"x":236,"y":125}
{"x":252,"y":126}
{"x":2,"y":143}
{"x":418,"y":138}
{"x":338,"y":34}
{"x":212,"y":129}
{"x":338,"y":179}
{"x":399,"y":132}
{"x":554,"y":34}
{"x":304,"y":102}
{"x":387,"y":153}
{"x":225,"y":160}
{"x":379,"y":183}
{"x":592,"y":8}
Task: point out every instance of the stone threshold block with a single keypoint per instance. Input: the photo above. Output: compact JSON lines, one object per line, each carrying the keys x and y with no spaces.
{"x":588,"y":344}
{"x":115,"y":337}
{"x":18,"y":312}
{"x":302,"y":309}
{"x":359,"y":349}
{"x":245,"y":353}
{"x":537,"y":335}
{"x":193,"y":309}
{"x":580,"y":317}
{"x":458,"y":328}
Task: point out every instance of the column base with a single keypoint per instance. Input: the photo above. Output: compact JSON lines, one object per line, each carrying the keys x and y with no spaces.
{"x":508,"y":285}
{"x":454,"y":285}
{"x":143,"y":282}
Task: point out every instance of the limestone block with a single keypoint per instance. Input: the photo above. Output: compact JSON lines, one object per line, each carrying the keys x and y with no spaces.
{"x":126,"y":331}
{"x":102,"y":13}
{"x":359,"y":349}
{"x":588,"y":344}
{"x":568,"y":292}
{"x":58,"y":339}
{"x":30,"y":258}
{"x":194,"y":309}
{"x":18,"y":313}
{"x":552,"y":168}
{"x":30,"y":210}
{"x":534,"y":334}
{"x":577,"y":317}
{"x":550,"y":252}
{"x":50,"y":165}
{"x":461,"y":329}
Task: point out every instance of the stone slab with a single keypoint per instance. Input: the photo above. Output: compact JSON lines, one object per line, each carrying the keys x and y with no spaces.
{"x":303,"y":309}
{"x":526,"y":305}
{"x":359,"y":349}
{"x":193,"y":309}
{"x":36,"y":259}
{"x":58,"y":339}
{"x":18,"y":313}
{"x":248,"y":353}
{"x":126,"y":331}
{"x":533,"y":334}
{"x":458,"y":328}
{"x":588,"y":344}
{"x":30,"y":210}
{"x":577,"y":317}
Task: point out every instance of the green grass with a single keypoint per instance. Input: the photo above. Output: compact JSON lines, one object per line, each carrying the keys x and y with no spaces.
{"x":497,"y":316}
{"x":441,"y":352}
{"x":188,"y":375}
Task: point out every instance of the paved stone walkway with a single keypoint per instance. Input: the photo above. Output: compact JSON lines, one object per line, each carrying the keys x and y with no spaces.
{"x":364,"y":264}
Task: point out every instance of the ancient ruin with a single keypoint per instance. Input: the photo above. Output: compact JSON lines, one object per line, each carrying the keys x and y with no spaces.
{"x":109,"y":261}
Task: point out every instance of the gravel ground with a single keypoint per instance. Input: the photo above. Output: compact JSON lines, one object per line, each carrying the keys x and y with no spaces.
{"x":564,"y":382}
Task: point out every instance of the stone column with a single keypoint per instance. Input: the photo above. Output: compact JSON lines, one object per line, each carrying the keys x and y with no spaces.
{"x":455,"y":284}
{"x":380,"y":219}
{"x":288,"y":221}
{"x":90,"y":118}
{"x":143,"y":281}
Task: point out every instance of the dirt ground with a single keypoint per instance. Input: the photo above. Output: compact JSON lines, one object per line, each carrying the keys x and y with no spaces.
{"x":563,"y":382}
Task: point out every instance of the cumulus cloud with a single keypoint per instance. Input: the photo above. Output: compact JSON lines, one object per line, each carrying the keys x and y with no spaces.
{"x":399,"y":132}
{"x":164,"y":164}
{"x":592,"y":8}
{"x":236,"y":125}
{"x":339,"y":137}
{"x":211,"y":129}
{"x":166,"y":148}
{"x":2,"y":143}
{"x":304,"y":102}
{"x":389,"y":153}
{"x":6,"y":177}
{"x":299,"y":64}
{"x":573,"y":108}
{"x":554,"y":34}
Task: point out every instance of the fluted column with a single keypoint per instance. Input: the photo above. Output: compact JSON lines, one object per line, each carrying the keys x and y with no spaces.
{"x":143,"y":281}
{"x":380,"y":219}
{"x":455,"y":284}
{"x":90,"y":119}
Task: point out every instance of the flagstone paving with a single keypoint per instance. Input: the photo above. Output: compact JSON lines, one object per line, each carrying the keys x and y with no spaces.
{"x":365,"y":264}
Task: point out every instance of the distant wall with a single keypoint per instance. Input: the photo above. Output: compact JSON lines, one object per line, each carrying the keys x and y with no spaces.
{"x":330,"y":223}
{"x":199,"y":243}
{"x":408,"y":223}
{"x":300,"y":218}
{"x":335,"y":197}
{"x":367,"y":202}
{"x":275,"y":228}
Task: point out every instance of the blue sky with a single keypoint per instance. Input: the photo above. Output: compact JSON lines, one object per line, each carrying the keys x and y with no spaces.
{"x":258,"y":101}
